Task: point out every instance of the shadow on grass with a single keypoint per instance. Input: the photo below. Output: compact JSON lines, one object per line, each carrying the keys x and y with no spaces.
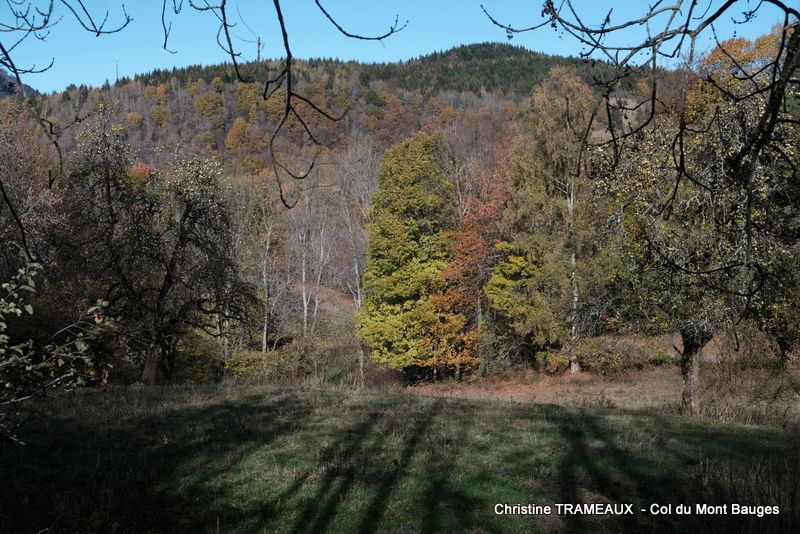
{"x":298,"y":462}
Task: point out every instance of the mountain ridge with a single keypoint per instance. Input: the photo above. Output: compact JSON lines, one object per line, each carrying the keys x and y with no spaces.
{"x":490,"y":66}
{"x":10,"y":87}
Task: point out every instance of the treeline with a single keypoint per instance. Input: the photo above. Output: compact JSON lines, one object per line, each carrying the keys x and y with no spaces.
{"x":510,"y":70}
{"x":493,"y":67}
{"x":208,"y":110}
{"x":655,"y":232}
{"x":285,"y":281}
{"x":505,"y":264}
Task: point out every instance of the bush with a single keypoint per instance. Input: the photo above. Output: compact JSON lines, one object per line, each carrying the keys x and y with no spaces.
{"x":199,"y":360}
{"x":281,"y":364}
{"x":660,"y":358}
{"x":556,"y":362}
{"x":603,"y":361}
{"x":604,"y":355}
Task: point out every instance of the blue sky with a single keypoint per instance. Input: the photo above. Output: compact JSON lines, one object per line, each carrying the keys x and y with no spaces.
{"x":80,"y":57}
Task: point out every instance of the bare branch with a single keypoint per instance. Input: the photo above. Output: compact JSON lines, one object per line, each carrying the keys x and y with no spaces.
{"x":394,"y":28}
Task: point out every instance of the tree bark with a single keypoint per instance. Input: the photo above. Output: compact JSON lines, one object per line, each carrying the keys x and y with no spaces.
{"x":693,"y":343}
{"x":574,"y":365}
{"x":303,"y":276}
{"x":266,"y":290}
{"x":784,"y":350}
{"x":152,"y":362}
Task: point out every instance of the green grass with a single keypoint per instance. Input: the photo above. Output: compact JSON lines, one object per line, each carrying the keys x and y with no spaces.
{"x":269,"y":460}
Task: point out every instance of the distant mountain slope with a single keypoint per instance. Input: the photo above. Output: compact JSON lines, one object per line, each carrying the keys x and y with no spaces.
{"x":490,"y":66}
{"x":205,"y":109}
{"x":10,"y":87}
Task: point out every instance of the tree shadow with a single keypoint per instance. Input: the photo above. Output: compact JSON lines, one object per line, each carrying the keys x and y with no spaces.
{"x":598,"y":467}
{"x":315,"y":461}
{"x":441,"y":496}
{"x":339,"y":464}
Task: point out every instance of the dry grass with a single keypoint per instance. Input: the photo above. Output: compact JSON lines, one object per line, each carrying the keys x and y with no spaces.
{"x":732,"y":391}
{"x":636,"y":389}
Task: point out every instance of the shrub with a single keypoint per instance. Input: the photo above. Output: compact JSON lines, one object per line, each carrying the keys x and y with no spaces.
{"x":556,"y":362}
{"x":604,"y":354}
{"x":660,"y":358}
{"x":199,"y":360}
{"x":603,"y":361}
{"x":276,"y":365}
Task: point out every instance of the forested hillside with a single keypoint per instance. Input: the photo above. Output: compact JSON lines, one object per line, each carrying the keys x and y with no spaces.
{"x":9,"y":86}
{"x":492,"y":67}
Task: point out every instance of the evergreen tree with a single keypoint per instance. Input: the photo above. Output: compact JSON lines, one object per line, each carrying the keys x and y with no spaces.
{"x":534,"y":290}
{"x":411,"y":222}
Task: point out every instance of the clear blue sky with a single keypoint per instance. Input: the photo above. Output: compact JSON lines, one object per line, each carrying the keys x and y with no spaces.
{"x":433,"y":25}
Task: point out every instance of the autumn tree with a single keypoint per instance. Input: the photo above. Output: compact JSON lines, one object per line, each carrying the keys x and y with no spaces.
{"x":738,"y":66}
{"x":29,"y":201}
{"x":237,"y":135}
{"x":460,"y":304}
{"x":474,"y":150}
{"x":560,"y":107}
{"x":707,"y":246}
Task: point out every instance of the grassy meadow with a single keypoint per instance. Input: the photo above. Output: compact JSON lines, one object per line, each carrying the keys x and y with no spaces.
{"x":236,"y":459}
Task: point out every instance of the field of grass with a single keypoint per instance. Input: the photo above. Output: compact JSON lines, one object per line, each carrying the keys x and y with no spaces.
{"x":294,"y":460}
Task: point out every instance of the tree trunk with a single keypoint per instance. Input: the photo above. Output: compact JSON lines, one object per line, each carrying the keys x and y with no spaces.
{"x":152,"y":363}
{"x":574,"y":366}
{"x":361,"y":358}
{"x":303,"y":287}
{"x":168,"y":351}
{"x":266,"y":289}
{"x":693,"y":343}
{"x":265,"y":335}
{"x":784,"y":349}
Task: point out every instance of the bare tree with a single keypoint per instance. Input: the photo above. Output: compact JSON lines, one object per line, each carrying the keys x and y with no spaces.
{"x":469,"y":144}
{"x":357,"y":181}
{"x":311,"y":250}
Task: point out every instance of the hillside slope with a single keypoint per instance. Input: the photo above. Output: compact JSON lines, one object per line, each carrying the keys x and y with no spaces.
{"x":486,"y":66}
{"x":10,"y":87}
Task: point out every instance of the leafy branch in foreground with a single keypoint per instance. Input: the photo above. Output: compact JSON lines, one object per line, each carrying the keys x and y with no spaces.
{"x":28,"y":370}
